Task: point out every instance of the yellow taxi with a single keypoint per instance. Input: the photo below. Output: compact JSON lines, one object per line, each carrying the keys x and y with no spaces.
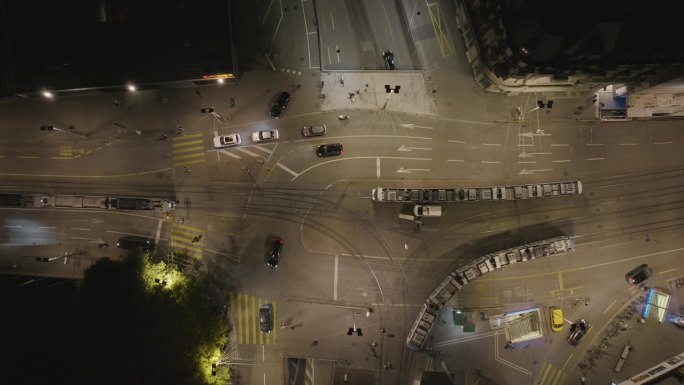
{"x":556,"y":318}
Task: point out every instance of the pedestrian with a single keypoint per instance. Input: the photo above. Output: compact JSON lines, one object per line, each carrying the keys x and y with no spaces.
{"x":292,"y":328}
{"x":232,"y":102}
{"x":583,"y":380}
{"x":199,"y":93}
{"x":186,"y":169}
{"x":314,"y":343}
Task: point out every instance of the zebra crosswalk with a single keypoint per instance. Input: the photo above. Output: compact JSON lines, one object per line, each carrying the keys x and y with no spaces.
{"x":188,"y":149}
{"x":187,"y":240}
{"x":245,"y":318}
{"x":253,"y":151}
{"x":550,"y":375}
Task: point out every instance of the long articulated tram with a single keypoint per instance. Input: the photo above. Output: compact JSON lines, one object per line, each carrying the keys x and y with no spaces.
{"x":475,"y":194}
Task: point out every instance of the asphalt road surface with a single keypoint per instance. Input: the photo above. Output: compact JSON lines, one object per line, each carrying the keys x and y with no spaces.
{"x":348,"y":262}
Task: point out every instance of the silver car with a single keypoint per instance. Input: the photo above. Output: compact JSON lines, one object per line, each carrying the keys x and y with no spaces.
{"x":265,"y":136}
{"x":317,"y":130}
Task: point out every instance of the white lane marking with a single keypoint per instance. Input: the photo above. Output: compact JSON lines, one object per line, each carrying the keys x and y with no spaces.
{"x":525,"y":145}
{"x":12,"y":227}
{"x":46,"y":227}
{"x":491,"y":144}
{"x":594,"y":144}
{"x":356,"y":158}
{"x":377,"y":168}
{"x":629,"y":144}
{"x":159,"y":227}
{"x":230,"y":154}
{"x":529,"y":161}
{"x":559,"y":145}
{"x":335,"y":278}
{"x":242,"y":149}
{"x":79,"y":229}
{"x":596,"y":158}
{"x":455,"y":160}
{"x":662,"y":142}
{"x":262,"y":148}
{"x":283,"y":167}
{"x":456,"y":141}
{"x":490,"y":162}
{"x":560,"y":161}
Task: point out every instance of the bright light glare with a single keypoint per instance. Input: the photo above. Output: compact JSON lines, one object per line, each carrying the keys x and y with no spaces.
{"x":48,"y":94}
{"x":131,"y":88}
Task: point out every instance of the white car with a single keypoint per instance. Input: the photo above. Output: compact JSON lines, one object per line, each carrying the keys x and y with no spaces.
{"x":427,"y":211}
{"x":265,"y":136}
{"x":230,"y":140}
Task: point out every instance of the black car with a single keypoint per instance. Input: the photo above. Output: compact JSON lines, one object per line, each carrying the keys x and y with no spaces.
{"x":639,"y":274}
{"x":389,"y":60}
{"x":132,"y":242}
{"x":577,"y":331}
{"x":280,"y":104}
{"x":332,"y":149}
{"x":266,"y":318}
{"x":273,"y":259}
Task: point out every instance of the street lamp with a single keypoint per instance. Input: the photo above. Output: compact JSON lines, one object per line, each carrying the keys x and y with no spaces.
{"x":47,"y":94}
{"x":131,"y":87}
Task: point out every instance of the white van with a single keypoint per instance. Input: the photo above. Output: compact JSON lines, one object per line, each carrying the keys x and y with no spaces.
{"x":427,"y":211}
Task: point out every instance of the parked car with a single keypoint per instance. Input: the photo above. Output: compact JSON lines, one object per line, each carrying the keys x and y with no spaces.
{"x":230,"y":140}
{"x":639,"y":274}
{"x":265,"y":136}
{"x":317,"y":130}
{"x":388,"y":56}
{"x":280,"y":104}
{"x":131,"y":242}
{"x":577,"y":331}
{"x":273,"y":258}
{"x":556,"y":315}
{"x":266,"y":318}
{"x":677,"y":319}
{"x":332,"y":149}
{"x":427,"y":211}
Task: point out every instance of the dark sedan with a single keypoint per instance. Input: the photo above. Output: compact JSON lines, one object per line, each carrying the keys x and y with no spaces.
{"x":273,"y":258}
{"x":332,"y":149}
{"x":280,"y":104}
{"x":639,"y":274}
{"x":577,"y":331}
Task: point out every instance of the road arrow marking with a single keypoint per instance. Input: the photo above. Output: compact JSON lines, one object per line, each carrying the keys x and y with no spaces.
{"x":530,"y":172}
{"x":409,"y":170}
{"x":409,"y":149}
{"x":91,"y":240}
{"x":412,"y":126}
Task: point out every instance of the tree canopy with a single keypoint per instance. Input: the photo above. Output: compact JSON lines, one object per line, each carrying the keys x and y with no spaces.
{"x":128,"y":321}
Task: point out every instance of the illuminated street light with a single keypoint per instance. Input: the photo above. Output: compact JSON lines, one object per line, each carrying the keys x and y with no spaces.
{"x":220,"y":80}
{"x":131,"y":87}
{"x":47,"y":94}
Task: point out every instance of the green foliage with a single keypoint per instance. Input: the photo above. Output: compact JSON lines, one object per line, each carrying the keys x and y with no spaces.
{"x":135,"y":330}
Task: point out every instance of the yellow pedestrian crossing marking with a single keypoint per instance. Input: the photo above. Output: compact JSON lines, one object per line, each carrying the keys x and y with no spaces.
{"x":188,"y":149}
{"x":550,"y":375}
{"x":246,"y":309}
{"x":182,"y":237}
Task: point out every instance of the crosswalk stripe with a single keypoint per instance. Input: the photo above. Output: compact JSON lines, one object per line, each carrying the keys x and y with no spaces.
{"x":189,"y":162}
{"x":556,"y":378}
{"x":188,"y":149}
{"x":186,"y":156}
{"x":184,"y":137}
{"x":188,"y":143}
{"x":246,"y":151}
{"x":262,"y":148}
{"x":261,"y":334}
{"x":240,"y":328}
{"x":254,"y":318}
{"x":225,"y":152}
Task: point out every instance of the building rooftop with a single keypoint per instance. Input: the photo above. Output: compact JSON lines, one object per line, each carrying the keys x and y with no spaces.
{"x":107,"y":43}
